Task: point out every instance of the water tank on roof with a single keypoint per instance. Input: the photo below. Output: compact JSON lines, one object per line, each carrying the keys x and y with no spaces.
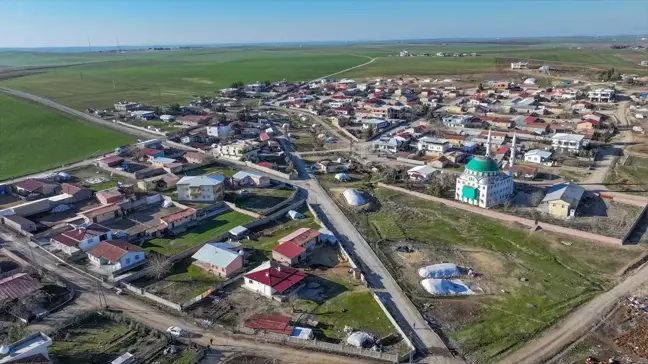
{"x":4,"y":349}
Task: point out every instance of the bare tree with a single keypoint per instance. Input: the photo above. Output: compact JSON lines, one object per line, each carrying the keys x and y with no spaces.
{"x":536,"y":197}
{"x":158,"y":266}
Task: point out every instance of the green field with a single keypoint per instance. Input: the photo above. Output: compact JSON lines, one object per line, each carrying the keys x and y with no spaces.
{"x":35,"y":138}
{"x":203,"y":233}
{"x":559,"y":276}
{"x":186,"y":281}
{"x":170,"y":77}
{"x":98,"y":80}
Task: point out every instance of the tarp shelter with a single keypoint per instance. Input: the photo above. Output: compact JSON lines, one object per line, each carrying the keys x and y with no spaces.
{"x":443,"y":270}
{"x":239,"y":231}
{"x":446,"y":287}
{"x":342,"y":177}
{"x":303,"y":333}
{"x":327,"y":236}
{"x":360,"y":339}
{"x":353,"y":197}
{"x":295,"y":215}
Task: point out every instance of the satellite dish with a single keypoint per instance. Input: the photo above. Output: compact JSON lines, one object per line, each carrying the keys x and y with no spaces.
{"x":4,"y":350}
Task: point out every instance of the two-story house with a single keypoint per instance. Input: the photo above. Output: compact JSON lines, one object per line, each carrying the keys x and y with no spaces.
{"x":569,"y":142}
{"x":200,"y":188}
{"x":433,"y":145}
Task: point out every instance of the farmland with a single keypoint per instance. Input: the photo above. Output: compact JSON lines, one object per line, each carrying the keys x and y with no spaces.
{"x":531,"y":280}
{"x":174,"y":77}
{"x":98,"y":80}
{"x":35,"y":138}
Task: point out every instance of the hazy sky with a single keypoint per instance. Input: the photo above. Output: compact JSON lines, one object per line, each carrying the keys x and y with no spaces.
{"x":37,"y":23}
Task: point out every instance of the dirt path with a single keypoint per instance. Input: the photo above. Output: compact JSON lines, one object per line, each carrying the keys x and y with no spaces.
{"x":371,"y":60}
{"x":577,"y":324}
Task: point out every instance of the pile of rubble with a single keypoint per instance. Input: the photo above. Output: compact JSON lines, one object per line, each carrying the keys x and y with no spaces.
{"x":634,"y":340}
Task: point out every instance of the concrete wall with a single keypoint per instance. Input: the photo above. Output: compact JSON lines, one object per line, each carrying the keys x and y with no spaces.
{"x":634,"y":225}
{"x":318,"y":345}
{"x":411,"y":161}
{"x":243,"y":211}
{"x":279,"y":206}
{"x":275,"y":215}
{"x":140,"y":128}
{"x":508,"y":218}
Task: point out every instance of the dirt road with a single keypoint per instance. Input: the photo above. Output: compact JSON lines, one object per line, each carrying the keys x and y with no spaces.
{"x":577,"y":324}
{"x":88,"y":299}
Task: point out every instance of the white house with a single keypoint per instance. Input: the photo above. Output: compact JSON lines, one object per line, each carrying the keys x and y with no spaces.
{"x":570,"y":142}
{"x":81,"y":239}
{"x":118,"y":255}
{"x":271,"y":279}
{"x":200,"y":188}
{"x":433,"y":145}
{"x":167,"y":118}
{"x":241,"y":149}
{"x":375,"y":123}
{"x":421,"y":173}
{"x":602,"y":95}
{"x":538,"y":156}
{"x":32,"y":348}
{"x":249,"y":178}
{"x":218,"y":131}
{"x":519,"y":65}
{"x":458,"y":121}
{"x":386,"y":144}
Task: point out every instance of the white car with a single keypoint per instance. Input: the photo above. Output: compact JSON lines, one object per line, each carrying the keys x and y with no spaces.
{"x":175,"y":331}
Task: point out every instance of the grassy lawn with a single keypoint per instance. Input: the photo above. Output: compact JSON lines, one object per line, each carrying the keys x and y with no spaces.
{"x":170,"y":77}
{"x":362,"y":313}
{"x":259,"y":199}
{"x":35,"y":138}
{"x":269,"y":236}
{"x":185,"y":282}
{"x":560,"y":276}
{"x":629,"y":178}
{"x":199,"y":235}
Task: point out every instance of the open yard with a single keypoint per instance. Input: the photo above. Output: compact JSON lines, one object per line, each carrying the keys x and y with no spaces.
{"x":266,"y":239}
{"x":531,"y":279}
{"x":35,"y":138}
{"x":205,"y":232}
{"x":98,"y":340}
{"x":185,"y":281}
{"x":631,"y":177}
{"x":258,"y":199}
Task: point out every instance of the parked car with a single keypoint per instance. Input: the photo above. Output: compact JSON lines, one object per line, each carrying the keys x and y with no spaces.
{"x":175,"y":331}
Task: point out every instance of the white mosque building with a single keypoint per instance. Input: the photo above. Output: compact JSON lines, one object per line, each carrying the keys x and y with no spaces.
{"x":482,"y":183}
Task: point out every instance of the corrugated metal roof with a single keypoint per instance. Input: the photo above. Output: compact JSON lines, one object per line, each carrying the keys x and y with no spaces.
{"x":18,"y":285}
{"x":217,"y":254}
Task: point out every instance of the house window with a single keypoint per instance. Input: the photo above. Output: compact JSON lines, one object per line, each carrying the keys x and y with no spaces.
{"x":137,"y":257}
{"x":127,"y":260}
{"x":249,"y":281}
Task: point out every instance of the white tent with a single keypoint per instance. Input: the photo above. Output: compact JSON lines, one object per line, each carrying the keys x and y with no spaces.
{"x":360,"y":339}
{"x":530,"y":81}
{"x":443,"y":270}
{"x":353,"y":197}
{"x":294,"y":215}
{"x":446,"y":287}
{"x":342,"y":177}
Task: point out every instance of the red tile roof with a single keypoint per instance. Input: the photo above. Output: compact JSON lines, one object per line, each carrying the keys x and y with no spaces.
{"x":502,"y":150}
{"x":278,"y":276}
{"x":277,"y":324}
{"x":195,"y":155}
{"x":265,"y":164}
{"x":150,"y":152}
{"x":178,"y":215}
{"x":264,"y":136}
{"x":113,"y":250}
{"x":18,"y":285}
{"x":71,"y":188}
{"x":594,"y":122}
{"x":300,"y":236}
{"x":65,"y":240}
{"x":530,"y":120}
{"x":75,"y":236}
{"x":98,"y":211}
{"x":289,"y":250}
{"x":112,"y":160}
{"x":29,"y":184}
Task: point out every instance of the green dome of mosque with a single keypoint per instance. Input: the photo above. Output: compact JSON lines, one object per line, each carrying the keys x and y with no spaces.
{"x":482,"y":164}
